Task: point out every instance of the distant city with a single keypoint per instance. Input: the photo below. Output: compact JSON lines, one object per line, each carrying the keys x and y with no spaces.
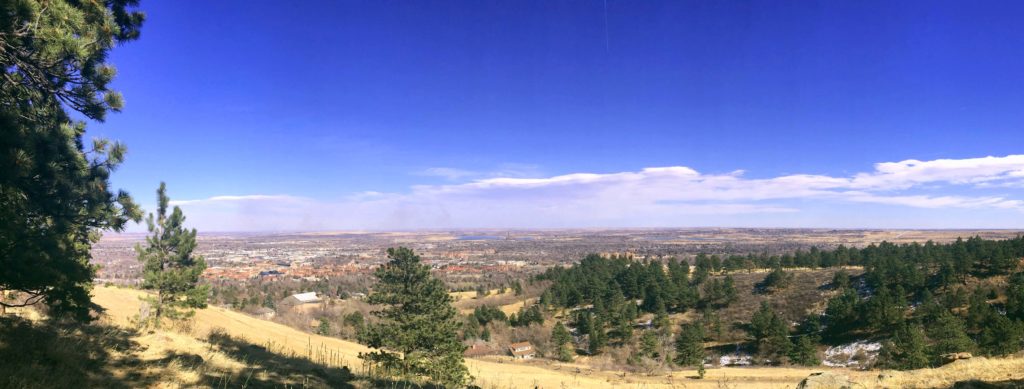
{"x":322,"y":255}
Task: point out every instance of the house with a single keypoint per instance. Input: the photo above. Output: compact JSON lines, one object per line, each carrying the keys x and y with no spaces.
{"x":270,"y":274}
{"x":480,"y":349}
{"x":264,"y":313}
{"x":304,"y":298}
{"x":522,"y":350}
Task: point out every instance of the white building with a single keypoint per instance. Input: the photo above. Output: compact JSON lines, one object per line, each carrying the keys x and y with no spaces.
{"x":305,"y":298}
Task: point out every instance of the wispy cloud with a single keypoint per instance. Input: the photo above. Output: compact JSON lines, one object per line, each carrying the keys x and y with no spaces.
{"x":503,"y":170}
{"x":448,"y":173}
{"x":655,"y":196}
{"x":218,"y":199}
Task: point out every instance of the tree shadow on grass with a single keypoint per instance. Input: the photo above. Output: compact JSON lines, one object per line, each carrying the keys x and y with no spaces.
{"x":52,"y":354}
{"x":277,"y":369}
{"x":975,"y":384}
{"x":69,"y":355}
{"x":55,"y":355}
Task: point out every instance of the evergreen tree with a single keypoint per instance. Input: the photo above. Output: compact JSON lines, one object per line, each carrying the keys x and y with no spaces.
{"x":565,"y":353}
{"x":583,"y":322}
{"x":770,"y":334}
{"x":653,"y":301}
{"x":979,"y":312}
{"x":841,"y":312}
{"x":324,"y":328}
{"x":776,"y":280}
{"x":765,"y":322}
{"x":949,"y":336}
{"x":649,"y":344}
{"x":690,"y":345}
{"x":561,"y":338}
{"x":169,"y":268}
{"x":1001,"y":336}
{"x":906,"y":349}
{"x":804,"y":352}
{"x":841,"y":280}
{"x":661,"y":321}
{"x":354,"y":320}
{"x":597,"y":338}
{"x":470,"y":330}
{"x":1015,"y":296}
{"x":884,"y":309}
{"x":560,"y":335}
{"x":55,"y":193}
{"x":417,"y":331}
{"x":712,"y":324}
{"x":729,"y":292}
{"x":623,"y":329}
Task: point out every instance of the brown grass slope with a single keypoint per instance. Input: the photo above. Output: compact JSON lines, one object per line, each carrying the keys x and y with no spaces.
{"x":281,"y":353}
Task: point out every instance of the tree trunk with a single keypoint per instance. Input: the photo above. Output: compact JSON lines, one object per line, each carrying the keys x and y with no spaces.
{"x":159,"y":308}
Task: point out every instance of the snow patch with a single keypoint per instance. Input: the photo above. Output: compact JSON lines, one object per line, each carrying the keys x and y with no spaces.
{"x":735,"y":359}
{"x":861,"y":353}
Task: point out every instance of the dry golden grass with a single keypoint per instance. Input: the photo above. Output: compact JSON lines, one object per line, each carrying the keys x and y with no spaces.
{"x":502,"y":372}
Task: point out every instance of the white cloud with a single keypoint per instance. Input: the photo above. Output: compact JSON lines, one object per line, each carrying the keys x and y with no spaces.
{"x":654,"y":196}
{"x":216,"y":199}
{"x":905,"y":174}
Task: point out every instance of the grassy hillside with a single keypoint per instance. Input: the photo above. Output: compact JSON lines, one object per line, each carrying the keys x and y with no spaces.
{"x":229,"y":349}
{"x":240,"y":347}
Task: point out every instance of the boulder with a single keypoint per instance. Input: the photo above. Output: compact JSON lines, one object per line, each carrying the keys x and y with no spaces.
{"x":951,"y":357}
{"x":826,"y":380}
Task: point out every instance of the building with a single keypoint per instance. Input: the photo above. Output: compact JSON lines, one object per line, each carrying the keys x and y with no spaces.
{"x":304,"y":298}
{"x":522,"y":350}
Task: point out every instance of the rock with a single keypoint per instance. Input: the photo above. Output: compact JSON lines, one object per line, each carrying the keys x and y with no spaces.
{"x":826,"y":380}
{"x":956,"y":356}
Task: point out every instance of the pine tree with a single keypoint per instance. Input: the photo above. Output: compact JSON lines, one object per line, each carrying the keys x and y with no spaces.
{"x":561,"y":338}
{"x":1015,"y":296}
{"x":770,"y":334}
{"x":906,"y":349}
{"x":565,"y":352}
{"x":418,"y":328}
{"x":169,"y":268}
{"x":1001,"y":336}
{"x":649,"y":344}
{"x":471,"y":330}
{"x":690,"y":345}
{"x":949,"y":336}
{"x":841,"y":313}
{"x":776,"y":280}
{"x":559,"y":335}
{"x":55,"y":193}
{"x":518,"y":288}
{"x":803,"y":352}
{"x":583,"y":322}
{"x":324,"y":328}
{"x":597,"y":338}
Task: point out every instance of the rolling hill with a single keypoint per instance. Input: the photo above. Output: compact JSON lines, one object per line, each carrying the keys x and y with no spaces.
{"x":269,"y":340}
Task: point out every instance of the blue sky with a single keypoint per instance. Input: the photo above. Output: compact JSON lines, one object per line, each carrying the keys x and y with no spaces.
{"x":421,"y":114}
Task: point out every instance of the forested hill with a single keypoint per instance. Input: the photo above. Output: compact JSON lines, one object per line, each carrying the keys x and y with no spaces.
{"x":923,"y":300}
